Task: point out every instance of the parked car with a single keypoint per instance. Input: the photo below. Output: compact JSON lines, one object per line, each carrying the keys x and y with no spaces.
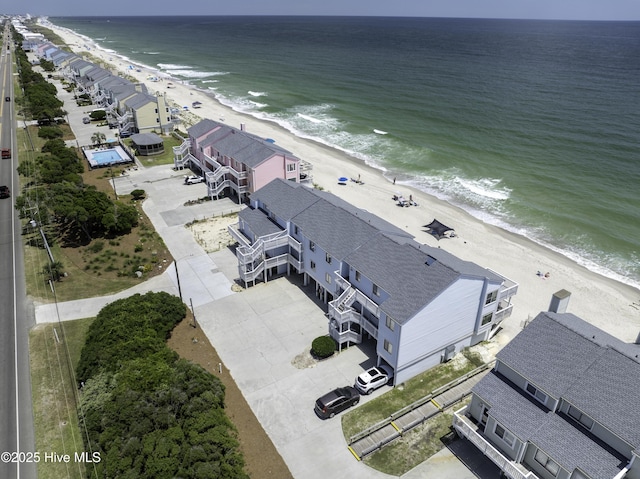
{"x":336,"y":401}
{"x":374,"y":378}
{"x":193,"y":179}
{"x":86,"y":120}
{"x":4,"y":191}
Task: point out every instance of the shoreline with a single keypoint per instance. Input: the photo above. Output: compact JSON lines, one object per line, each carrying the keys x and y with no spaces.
{"x":580,"y":258}
{"x":606,"y":302}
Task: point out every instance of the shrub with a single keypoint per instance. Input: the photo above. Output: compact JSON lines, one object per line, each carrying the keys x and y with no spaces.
{"x":138,"y":194}
{"x":323,"y":347}
{"x":50,"y":132}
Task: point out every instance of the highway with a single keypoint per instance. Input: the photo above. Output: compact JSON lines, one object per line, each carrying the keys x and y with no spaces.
{"x":16,"y":317}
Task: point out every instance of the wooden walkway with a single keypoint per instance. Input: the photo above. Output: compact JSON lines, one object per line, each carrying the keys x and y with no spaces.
{"x":398,"y":425}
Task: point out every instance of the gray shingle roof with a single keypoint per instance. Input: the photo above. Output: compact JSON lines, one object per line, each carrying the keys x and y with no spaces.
{"x":568,"y":444}
{"x":608,"y":391}
{"x":287,"y":197}
{"x":572,"y":360}
{"x":145,"y":139}
{"x":244,"y":147}
{"x":382,"y":252}
{"x":510,"y":407}
{"x":258,"y":222}
{"x":547,"y":353}
{"x":202,"y":127}
{"x":407,"y":273}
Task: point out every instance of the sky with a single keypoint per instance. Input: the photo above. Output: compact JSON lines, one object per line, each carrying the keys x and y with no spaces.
{"x":530,"y":9}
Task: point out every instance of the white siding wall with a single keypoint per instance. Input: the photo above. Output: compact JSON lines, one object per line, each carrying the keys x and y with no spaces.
{"x":384,"y":333}
{"x":448,"y":320}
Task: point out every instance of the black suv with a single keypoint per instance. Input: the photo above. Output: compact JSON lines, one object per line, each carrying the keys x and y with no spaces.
{"x":336,"y":401}
{"x":4,"y":192}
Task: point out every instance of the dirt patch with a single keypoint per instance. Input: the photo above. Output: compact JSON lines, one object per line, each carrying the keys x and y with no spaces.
{"x":262,"y":458}
{"x":212,"y":234}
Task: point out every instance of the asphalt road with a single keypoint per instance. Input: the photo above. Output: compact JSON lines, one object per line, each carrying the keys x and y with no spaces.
{"x":16,"y":415}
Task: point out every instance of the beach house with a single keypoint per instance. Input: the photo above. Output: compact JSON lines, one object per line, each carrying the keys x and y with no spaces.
{"x":235,"y":162}
{"x":417,"y":304}
{"x":561,"y":402}
{"x":129,"y":106}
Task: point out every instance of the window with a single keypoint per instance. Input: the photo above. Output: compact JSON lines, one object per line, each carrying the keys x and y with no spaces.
{"x":487,"y":318}
{"x":491,"y":297}
{"x":536,"y":393}
{"x":376,"y":290}
{"x":313,"y":265}
{"x":312,"y":246}
{"x":328,"y":258}
{"x":578,"y":475}
{"x":546,"y":462}
{"x":295,"y":230}
{"x":291,"y":167}
{"x":357,"y":275}
{"x":390,"y":323}
{"x":388,"y":347}
{"x":583,"y":419}
{"x":327,"y":278}
{"x":505,"y":435}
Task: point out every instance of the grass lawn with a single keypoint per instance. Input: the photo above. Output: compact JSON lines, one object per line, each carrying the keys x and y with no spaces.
{"x":420,"y":386}
{"x":165,"y":158}
{"x":53,"y":360}
{"x":413,"y":448}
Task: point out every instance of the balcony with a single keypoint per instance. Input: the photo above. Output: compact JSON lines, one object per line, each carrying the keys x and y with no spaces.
{"x":465,"y":428}
{"x":503,"y":312}
{"x":342,"y":337}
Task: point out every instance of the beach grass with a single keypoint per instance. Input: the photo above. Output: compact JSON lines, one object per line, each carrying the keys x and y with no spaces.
{"x":414,"y":447}
{"x":54,"y":353}
{"x":416,"y":388}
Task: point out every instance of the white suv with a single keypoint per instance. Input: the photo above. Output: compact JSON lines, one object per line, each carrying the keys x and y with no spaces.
{"x":373,"y":378}
{"x":193,"y":179}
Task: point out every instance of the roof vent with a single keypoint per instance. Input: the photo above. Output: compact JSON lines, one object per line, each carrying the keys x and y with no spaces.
{"x":430,"y":260}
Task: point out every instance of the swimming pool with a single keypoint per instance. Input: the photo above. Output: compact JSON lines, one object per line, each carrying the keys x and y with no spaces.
{"x":108,"y":157}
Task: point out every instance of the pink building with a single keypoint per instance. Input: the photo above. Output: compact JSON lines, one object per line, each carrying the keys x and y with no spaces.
{"x":234,"y":162}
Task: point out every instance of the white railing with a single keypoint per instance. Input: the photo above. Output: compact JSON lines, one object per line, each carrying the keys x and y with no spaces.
{"x":503,"y":313}
{"x":235,"y":232}
{"x":369,"y":327}
{"x":342,"y":337}
{"x":466,"y":429}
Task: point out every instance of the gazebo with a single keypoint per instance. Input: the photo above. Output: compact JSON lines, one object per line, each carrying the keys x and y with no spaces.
{"x":147,"y":144}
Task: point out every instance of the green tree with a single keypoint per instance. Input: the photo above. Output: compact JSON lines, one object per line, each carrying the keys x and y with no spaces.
{"x":98,"y":138}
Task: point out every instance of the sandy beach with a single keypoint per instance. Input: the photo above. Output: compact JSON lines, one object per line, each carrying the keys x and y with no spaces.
{"x":608,"y":304}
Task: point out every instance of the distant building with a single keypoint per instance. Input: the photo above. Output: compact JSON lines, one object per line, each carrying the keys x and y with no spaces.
{"x":563,"y":401}
{"x":419,"y":305}
{"x":235,"y":162}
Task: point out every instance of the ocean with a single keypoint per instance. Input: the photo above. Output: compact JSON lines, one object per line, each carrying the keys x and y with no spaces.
{"x":533,"y":126}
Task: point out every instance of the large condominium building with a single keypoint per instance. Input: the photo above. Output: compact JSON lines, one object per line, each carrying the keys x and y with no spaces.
{"x":419,"y":305}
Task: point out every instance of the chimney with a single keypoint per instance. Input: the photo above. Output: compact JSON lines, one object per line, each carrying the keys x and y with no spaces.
{"x":559,"y":301}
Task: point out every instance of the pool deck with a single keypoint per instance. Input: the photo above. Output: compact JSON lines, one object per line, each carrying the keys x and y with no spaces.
{"x":102,"y":157}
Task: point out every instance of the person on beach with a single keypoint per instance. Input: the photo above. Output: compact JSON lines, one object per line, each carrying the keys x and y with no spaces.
{"x":394,"y":180}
